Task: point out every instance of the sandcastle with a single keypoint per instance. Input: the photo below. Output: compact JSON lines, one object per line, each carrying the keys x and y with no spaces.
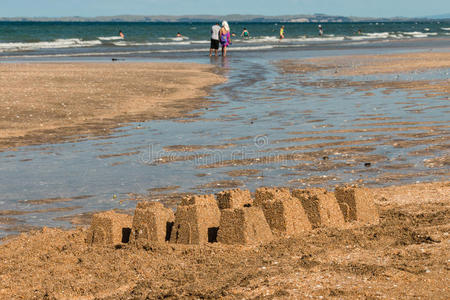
{"x":197,"y":220}
{"x":321,"y":207}
{"x":246,"y":226}
{"x":284,"y":213}
{"x":236,"y":198}
{"x":234,"y":217}
{"x":152,"y":222}
{"x":357,"y":205}
{"x":110,"y":228}
{"x":239,"y":222}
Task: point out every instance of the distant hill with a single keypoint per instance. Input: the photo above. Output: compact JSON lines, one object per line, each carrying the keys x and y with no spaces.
{"x":316,"y":18}
{"x":439,"y":17}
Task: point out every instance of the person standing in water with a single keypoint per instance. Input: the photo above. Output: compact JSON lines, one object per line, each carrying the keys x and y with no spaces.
{"x":320,"y":30}
{"x":245,"y":33}
{"x":214,"y":39}
{"x":121,"y":34}
{"x":225,"y":37}
{"x":282,"y":32}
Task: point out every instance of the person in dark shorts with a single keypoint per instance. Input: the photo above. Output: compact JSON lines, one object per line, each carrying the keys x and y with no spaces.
{"x":214,"y":39}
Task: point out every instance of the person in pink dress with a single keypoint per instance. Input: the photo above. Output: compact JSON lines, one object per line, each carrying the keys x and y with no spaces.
{"x":225,"y":37}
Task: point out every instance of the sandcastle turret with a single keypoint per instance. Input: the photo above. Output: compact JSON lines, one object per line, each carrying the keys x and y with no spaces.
{"x":239,"y":222}
{"x":284,"y":213}
{"x":109,"y":228}
{"x":321,"y":207}
{"x":357,"y":205}
{"x":152,"y":223}
{"x":197,"y":220}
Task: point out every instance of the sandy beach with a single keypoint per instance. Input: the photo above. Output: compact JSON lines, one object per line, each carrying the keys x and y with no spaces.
{"x":51,"y":102}
{"x":404,"y":256}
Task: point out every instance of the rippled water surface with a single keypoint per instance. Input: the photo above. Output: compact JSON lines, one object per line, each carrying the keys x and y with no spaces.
{"x":263,"y":127}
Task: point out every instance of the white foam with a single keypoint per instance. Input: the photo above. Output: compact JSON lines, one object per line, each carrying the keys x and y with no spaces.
{"x":56,"y":44}
{"x":446,"y":28}
{"x":110,"y":38}
{"x":175,"y":39}
{"x":372,"y":36}
{"x":126,"y":43}
{"x":413,"y":33}
{"x":418,"y":34}
{"x":274,"y":39}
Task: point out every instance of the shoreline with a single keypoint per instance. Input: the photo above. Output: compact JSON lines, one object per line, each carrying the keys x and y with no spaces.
{"x":56,"y":102}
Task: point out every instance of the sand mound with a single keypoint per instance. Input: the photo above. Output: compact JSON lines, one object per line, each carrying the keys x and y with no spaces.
{"x":403,"y":255}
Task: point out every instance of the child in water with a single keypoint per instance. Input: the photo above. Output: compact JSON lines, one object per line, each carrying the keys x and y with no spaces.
{"x":282,"y":32}
{"x":245,"y":33}
{"x":121,"y":34}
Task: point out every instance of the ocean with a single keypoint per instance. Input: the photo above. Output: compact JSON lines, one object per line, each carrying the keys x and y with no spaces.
{"x":61,"y":39}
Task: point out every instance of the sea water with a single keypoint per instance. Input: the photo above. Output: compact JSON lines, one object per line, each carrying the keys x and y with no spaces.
{"x":60,"y":39}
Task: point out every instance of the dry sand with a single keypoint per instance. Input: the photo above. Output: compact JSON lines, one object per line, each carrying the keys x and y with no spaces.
{"x":50,"y":102}
{"x":405,"y":256}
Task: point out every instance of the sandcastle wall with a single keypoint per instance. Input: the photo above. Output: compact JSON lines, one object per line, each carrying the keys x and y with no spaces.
{"x":197,"y":221}
{"x":110,"y":228}
{"x":321,"y":207}
{"x":357,"y":205}
{"x":284,"y":213}
{"x":152,"y":223}
{"x":233,"y":217}
{"x":245,"y":226}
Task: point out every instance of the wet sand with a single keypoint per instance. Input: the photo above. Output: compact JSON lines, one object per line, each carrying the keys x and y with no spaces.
{"x":44,"y":103}
{"x":405,"y":256}
{"x":339,"y":68}
{"x":357,"y":65}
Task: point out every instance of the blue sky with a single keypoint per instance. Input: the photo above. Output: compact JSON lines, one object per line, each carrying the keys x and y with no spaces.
{"x":89,"y":8}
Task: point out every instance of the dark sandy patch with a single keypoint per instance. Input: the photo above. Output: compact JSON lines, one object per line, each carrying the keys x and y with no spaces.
{"x":191,"y":148}
{"x":104,"y":156}
{"x":37,"y":211}
{"x":244,"y":173}
{"x":54,"y":200}
{"x":163,"y":189}
{"x":220,"y":184}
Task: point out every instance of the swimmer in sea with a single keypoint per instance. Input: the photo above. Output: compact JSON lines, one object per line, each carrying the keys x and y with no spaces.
{"x":179,"y":35}
{"x":282,"y":32}
{"x":121,"y":34}
{"x":320,"y":30}
{"x":245,"y":33}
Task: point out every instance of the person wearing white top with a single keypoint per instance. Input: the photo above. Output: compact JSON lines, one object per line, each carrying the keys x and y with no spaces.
{"x":214,"y":39}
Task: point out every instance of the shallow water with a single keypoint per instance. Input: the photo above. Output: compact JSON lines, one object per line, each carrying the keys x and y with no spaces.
{"x":260,"y":120}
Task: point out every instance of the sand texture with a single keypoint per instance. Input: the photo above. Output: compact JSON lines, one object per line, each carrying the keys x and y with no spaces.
{"x":340,"y":70}
{"x":405,"y":255}
{"x":51,"y":102}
